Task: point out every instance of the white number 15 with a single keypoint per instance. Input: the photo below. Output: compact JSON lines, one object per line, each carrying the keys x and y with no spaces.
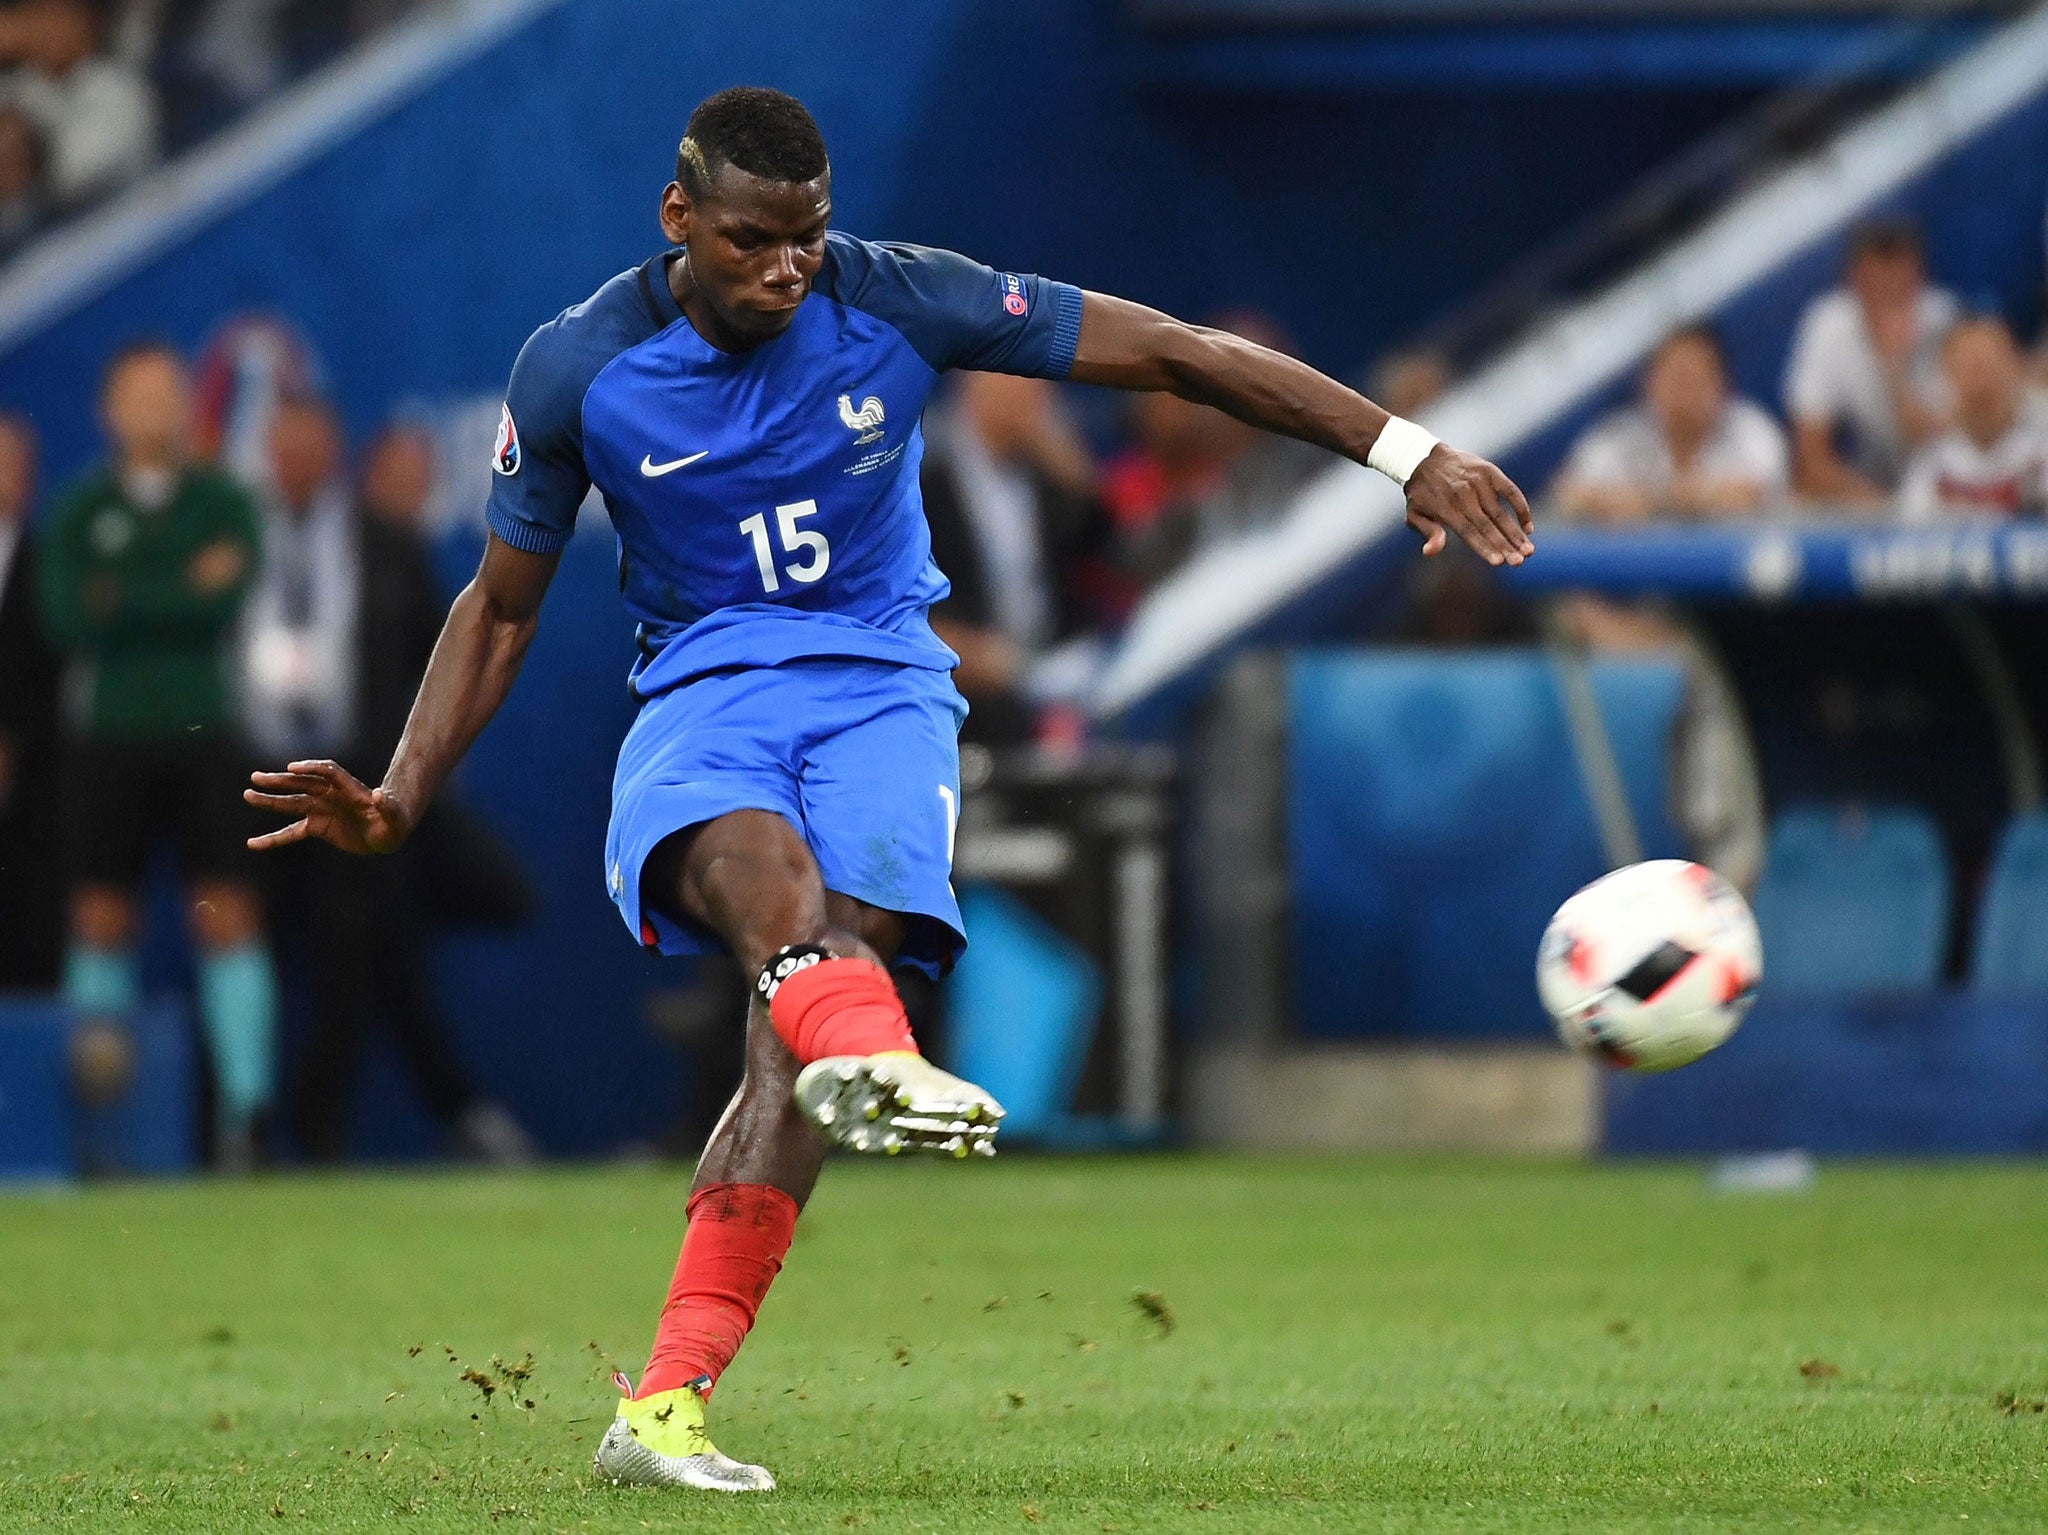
{"x":795,"y":540}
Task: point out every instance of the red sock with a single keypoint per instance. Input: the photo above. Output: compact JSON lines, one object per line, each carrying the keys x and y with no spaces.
{"x":840,"y":1007}
{"x":732,"y":1251}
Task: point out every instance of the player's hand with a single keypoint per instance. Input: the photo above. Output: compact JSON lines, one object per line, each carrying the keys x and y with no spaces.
{"x":1454,"y":492}
{"x":216,"y":567}
{"x":329,"y":803}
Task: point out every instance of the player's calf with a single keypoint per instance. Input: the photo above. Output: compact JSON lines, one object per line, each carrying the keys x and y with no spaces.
{"x":864,"y":1083}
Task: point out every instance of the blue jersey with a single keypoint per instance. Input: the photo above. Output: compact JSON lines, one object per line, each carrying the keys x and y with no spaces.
{"x":766,"y":501}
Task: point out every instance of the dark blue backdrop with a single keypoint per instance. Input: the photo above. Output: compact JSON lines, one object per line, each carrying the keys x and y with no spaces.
{"x":417,"y":255}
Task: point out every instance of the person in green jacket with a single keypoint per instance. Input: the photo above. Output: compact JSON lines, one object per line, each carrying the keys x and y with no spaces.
{"x":146,"y":560}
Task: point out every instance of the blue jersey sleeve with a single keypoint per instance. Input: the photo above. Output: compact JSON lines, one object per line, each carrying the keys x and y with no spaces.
{"x":538,"y":479}
{"x":957,"y":313}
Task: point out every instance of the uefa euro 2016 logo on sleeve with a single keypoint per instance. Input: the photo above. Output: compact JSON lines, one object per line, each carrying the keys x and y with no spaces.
{"x":1013,"y":294}
{"x":505,"y":456}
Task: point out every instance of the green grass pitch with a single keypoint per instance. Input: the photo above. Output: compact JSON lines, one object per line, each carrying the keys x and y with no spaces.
{"x":1184,"y":1344}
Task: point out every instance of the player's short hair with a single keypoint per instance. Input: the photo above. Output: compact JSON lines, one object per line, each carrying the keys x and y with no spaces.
{"x":1977,"y":319}
{"x":14,"y":424}
{"x":136,"y":350}
{"x":762,"y":132}
{"x":1886,"y":235}
{"x":1701,"y":331}
{"x":305,"y":397}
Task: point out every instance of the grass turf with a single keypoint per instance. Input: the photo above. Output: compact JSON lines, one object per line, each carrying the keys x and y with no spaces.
{"x":1321,"y":1345}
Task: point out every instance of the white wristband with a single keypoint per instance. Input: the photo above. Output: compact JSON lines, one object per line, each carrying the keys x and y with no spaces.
{"x":1400,"y":449}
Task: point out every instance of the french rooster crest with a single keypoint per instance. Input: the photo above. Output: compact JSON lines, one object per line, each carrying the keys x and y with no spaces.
{"x":866,"y":422}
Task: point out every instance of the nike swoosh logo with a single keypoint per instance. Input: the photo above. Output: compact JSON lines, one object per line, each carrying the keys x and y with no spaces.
{"x":654,"y":471}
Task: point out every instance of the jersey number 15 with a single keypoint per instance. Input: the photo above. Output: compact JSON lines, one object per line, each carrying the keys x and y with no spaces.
{"x":795,"y":540}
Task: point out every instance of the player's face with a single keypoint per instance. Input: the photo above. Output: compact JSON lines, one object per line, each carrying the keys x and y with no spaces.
{"x":1985,"y":369}
{"x":755,"y":247}
{"x":17,"y":473}
{"x":305,"y":452}
{"x":148,"y":408}
{"x":1685,"y":387}
{"x":1886,"y":279}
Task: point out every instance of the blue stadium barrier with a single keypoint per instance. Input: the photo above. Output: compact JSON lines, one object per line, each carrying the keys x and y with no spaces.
{"x":35,"y":1093}
{"x":2010,"y":952}
{"x":1436,"y":817}
{"x":154,"y":1127}
{"x":1872,"y":1076}
{"x":1853,"y":901}
{"x":45,"y":1133}
{"x":1021,"y":1009}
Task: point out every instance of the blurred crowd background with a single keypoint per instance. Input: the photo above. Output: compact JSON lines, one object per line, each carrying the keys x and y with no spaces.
{"x":231,"y":542}
{"x":98,"y":93}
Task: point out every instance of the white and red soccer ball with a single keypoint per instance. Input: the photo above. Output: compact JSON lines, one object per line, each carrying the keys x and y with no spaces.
{"x":1650,"y":967}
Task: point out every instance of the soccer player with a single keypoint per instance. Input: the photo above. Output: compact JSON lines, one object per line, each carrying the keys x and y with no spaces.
{"x":146,"y":563}
{"x":747,"y":402}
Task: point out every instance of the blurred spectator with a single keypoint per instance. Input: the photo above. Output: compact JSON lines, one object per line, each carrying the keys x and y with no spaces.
{"x":144,"y":569}
{"x":339,"y":629}
{"x":245,"y":366}
{"x":32,"y":932}
{"x":1689,"y":449}
{"x":1863,"y":386}
{"x":1259,"y":482}
{"x":1009,"y":492}
{"x":1179,"y":456}
{"x":1994,"y":460}
{"x":218,"y":58}
{"x":398,"y":478}
{"x":24,"y":200}
{"x":299,"y":663}
{"x":97,"y":115}
{"x":1407,"y":383}
{"x":242,"y":51}
{"x":1194,"y":476}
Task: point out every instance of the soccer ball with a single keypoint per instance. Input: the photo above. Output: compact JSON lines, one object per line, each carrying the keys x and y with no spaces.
{"x":1650,"y":967}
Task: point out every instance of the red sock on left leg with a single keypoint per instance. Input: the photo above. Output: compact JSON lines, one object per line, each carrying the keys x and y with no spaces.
{"x":732,"y":1250}
{"x":839,"y":1006}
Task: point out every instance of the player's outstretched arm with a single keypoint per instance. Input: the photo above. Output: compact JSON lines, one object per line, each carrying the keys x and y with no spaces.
{"x":1127,"y":346}
{"x":474,"y":662}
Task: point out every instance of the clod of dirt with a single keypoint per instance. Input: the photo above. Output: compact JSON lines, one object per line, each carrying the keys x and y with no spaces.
{"x":1819,"y":1369}
{"x":1153,"y":1306}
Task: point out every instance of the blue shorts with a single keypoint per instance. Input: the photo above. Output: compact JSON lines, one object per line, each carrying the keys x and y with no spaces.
{"x":861,"y":757}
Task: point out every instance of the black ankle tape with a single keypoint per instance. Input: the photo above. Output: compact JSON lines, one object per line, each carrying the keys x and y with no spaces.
{"x":783,"y":964}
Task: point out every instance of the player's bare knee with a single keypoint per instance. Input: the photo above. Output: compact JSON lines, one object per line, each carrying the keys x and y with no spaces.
{"x":103,"y":916}
{"x":879,"y":933}
{"x":225,"y":916}
{"x":849,"y":945}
